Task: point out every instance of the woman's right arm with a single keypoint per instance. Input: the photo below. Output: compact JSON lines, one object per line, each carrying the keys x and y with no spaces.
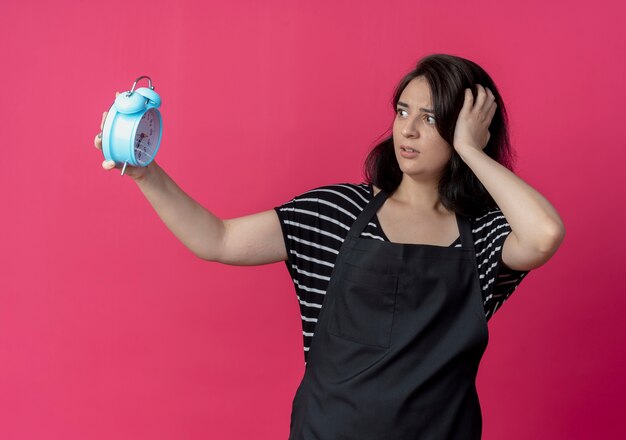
{"x":245,"y":241}
{"x":250,"y":240}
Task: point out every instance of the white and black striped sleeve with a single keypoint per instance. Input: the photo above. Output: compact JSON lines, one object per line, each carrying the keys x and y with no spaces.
{"x":314,"y":226}
{"x":497,"y":280}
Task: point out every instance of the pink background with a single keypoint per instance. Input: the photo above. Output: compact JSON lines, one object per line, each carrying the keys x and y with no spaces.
{"x":111,"y":329}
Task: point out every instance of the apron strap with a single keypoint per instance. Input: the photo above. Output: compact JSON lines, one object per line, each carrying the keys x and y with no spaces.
{"x":367,"y":214}
{"x":465,"y":229}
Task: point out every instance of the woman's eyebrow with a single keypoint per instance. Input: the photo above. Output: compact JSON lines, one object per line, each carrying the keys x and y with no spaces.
{"x":427,"y":110}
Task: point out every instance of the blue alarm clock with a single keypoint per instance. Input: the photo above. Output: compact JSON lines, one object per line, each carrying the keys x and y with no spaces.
{"x":133,"y":127}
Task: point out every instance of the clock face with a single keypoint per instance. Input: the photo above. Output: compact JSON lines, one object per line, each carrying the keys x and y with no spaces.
{"x":147,"y":137}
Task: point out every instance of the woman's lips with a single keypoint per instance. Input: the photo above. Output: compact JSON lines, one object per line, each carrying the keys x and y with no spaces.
{"x":408,"y":152}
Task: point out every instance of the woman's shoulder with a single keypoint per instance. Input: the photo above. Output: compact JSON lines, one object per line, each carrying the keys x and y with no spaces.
{"x":345,"y":192}
{"x":490,"y":230}
{"x":489,"y":220}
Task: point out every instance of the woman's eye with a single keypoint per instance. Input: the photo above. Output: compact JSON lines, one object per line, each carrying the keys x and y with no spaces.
{"x":431,"y":117}
{"x":399,"y":111}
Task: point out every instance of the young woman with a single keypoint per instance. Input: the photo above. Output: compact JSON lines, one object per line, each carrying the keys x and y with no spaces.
{"x":408,"y":265}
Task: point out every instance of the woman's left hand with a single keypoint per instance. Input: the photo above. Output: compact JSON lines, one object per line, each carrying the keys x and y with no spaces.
{"x":472,"y":125}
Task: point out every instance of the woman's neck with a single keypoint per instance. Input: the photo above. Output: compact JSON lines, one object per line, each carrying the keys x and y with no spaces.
{"x":419,"y":196}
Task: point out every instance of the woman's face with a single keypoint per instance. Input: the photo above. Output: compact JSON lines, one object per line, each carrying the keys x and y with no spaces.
{"x":414,"y":128}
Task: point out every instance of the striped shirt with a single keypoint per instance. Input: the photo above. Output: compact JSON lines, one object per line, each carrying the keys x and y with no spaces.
{"x":315,"y":223}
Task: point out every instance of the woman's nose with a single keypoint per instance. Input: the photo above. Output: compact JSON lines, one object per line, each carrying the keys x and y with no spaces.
{"x":409,"y":129}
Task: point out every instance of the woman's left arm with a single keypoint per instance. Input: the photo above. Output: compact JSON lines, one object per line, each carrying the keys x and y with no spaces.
{"x":536,"y":227}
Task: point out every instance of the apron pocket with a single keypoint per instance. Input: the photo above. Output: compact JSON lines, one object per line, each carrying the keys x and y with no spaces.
{"x":364,"y":306}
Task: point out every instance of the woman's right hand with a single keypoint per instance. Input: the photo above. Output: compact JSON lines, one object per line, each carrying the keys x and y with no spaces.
{"x":135,"y":172}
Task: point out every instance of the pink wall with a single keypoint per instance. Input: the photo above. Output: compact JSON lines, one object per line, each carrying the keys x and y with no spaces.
{"x":111,"y":329}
